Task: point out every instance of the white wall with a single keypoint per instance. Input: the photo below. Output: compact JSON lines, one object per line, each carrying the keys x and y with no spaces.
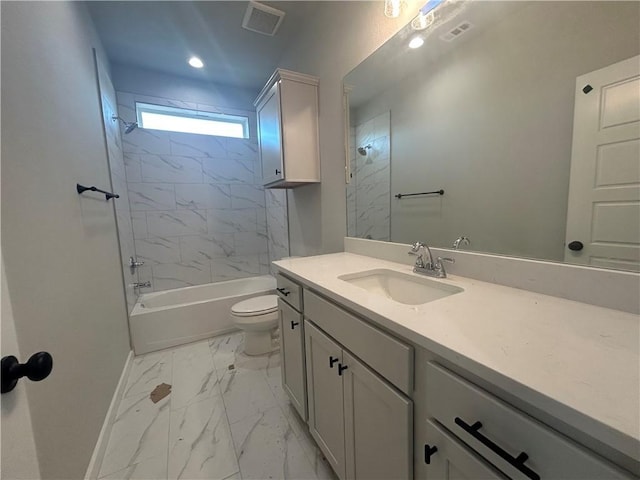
{"x":60,"y":248}
{"x":334,"y":42}
{"x":148,"y":82}
{"x":491,"y":123}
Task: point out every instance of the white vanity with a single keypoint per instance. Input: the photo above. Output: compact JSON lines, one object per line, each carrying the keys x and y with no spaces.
{"x":482,"y":381}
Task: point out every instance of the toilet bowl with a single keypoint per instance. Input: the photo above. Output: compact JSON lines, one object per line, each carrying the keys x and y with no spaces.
{"x":257,"y":317}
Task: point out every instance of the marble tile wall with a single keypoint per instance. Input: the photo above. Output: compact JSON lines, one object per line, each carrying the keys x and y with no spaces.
{"x":351,"y":187}
{"x":197,"y":203}
{"x":369,"y":195}
{"x":113,"y":139}
{"x":277,"y":224}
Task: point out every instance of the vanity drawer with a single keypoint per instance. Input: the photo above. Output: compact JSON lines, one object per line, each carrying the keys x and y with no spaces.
{"x":383,"y":353}
{"x":289,"y":291}
{"x":504,"y":432}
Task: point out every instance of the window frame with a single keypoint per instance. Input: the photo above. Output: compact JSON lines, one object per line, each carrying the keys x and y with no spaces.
{"x":144,"y":107}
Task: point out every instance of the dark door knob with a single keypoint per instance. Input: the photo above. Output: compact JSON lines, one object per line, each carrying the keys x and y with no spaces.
{"x":37,"y":368}
{"x":575,"y":246}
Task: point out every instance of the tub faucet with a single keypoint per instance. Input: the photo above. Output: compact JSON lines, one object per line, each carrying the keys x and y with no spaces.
{"x":425,"y":267}
{"x":137,"y":285}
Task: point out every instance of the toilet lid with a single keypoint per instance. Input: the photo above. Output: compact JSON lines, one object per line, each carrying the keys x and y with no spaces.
{"x":256,"y":305}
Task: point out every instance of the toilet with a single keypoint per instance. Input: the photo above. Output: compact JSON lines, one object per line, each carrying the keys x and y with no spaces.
{"x":257,"y":317}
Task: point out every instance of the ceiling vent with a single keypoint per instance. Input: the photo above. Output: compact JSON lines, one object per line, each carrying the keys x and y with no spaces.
{"x":262,"y":19}
{"x":454,"y":33}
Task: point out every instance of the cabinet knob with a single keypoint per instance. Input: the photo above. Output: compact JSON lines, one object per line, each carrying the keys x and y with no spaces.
{"x":294,"y":324}
{"x":341,"y":368}
{"x":332,"y":360}
{"x":428,"y":451}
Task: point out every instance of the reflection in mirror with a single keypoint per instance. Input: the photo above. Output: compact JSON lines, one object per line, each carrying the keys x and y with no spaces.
{"x":484,"y":110}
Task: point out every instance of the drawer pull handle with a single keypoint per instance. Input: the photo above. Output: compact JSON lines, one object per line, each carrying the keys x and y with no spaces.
{"x":283,"y":291}
{"x":341,"y":368}
{"x":293,"y":324}
{"x":332,"y":360}
{"x":428,"y":451}
{"x":516,"y":462}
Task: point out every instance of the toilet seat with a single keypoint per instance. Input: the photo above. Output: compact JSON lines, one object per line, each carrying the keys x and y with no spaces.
{"x":255,"y":306}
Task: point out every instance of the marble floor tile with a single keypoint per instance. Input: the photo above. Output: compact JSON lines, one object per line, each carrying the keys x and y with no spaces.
{"x":267,"y":448}
{"x":147,"y":372}
{"x":224,"y":348}
{"x":194,"y":377}
{"x":140,"y":432}
{"x":245,"y":393}
{"x":200,"y":443}
{"x":151,"y":469}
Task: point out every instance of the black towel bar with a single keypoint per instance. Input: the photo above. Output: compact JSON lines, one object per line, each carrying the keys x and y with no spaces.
{"x":108,"y":195}
{"x":400,"y":195}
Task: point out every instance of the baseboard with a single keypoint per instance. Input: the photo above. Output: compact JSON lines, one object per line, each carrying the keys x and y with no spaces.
{"x":101,"y":445}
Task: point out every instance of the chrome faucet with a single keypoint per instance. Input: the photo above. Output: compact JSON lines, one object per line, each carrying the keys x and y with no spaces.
{"x":461,"y":240}
{"x":428,"y":267}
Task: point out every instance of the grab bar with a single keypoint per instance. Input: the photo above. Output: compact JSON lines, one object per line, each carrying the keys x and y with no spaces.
{"x":400,"y":195}
{"x":108,"y":195}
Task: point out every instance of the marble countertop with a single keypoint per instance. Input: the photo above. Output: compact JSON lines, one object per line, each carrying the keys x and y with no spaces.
{"x":577,"y":362}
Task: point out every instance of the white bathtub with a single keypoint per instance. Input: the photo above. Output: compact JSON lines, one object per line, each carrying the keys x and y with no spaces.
{"x":174,"y":317}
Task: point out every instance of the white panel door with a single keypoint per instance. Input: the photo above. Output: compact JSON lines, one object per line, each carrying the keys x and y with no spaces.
{"x":293,"y":363}
{"x":604,"y":192}
{"x":378,"y":425}
{"x":270,"y":136}
{"x":325,"y":396}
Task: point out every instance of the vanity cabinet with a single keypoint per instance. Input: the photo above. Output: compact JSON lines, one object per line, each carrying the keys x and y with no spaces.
{"x":292,"y":343}
{"x":361,"y":422}
{"x":287,"y":114}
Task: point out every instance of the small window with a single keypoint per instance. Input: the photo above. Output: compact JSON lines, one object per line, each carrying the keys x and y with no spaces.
{"x":173,"y":119}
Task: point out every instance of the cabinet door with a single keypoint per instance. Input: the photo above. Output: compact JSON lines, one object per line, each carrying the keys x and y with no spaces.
{"x":325,"y":391}
{"x":270,"y":135}
{"x":378,"y":425}
{"x":293,"y":362}
{"x":453,"y":460}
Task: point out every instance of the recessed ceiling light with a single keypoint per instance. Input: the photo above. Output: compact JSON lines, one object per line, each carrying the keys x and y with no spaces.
{"x":416,"y":42}
{"x":195,"y":62}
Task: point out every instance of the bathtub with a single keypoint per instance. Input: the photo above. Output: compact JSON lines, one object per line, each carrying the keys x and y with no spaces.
{"x":174,"y":317}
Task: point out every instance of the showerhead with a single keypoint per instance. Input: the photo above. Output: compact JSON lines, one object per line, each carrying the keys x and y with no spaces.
{"x":128,"y":126}
{"x":363,"y":150}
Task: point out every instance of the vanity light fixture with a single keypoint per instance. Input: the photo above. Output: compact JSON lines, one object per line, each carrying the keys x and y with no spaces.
{"x":416,"y":42}
{"x":392,"y":8}
{"x":426,"y":16}
{"x":195,"y":62}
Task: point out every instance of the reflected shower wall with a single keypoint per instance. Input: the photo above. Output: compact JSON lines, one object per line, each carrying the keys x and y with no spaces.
{"x":369,"y":193}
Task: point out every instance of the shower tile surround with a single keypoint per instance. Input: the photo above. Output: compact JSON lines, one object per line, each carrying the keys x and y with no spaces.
{"x":217,"y":422}
{"x":368,"y":194}
{"x":198,"y":208}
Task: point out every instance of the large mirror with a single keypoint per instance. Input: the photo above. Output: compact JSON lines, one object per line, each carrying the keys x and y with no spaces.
{"x":514,"y":129}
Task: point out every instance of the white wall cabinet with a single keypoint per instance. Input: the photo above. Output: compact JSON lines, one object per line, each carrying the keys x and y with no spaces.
{"x":287,"y":113}
{"x":361,"y":423}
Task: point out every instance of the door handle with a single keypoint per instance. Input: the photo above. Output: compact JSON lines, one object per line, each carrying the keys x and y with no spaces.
{"x":332,"y":360}
{"x":278,"y":172}
{"x":428,"y":451}
{"x":341,"y":368}
{"x":283,"y":291}
{"x":37,"y":368}
{"x":575,"y":246}
{"x":293,"y":324}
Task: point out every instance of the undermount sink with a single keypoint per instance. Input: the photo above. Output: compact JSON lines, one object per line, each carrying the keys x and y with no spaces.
{"x":400,"y":287}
